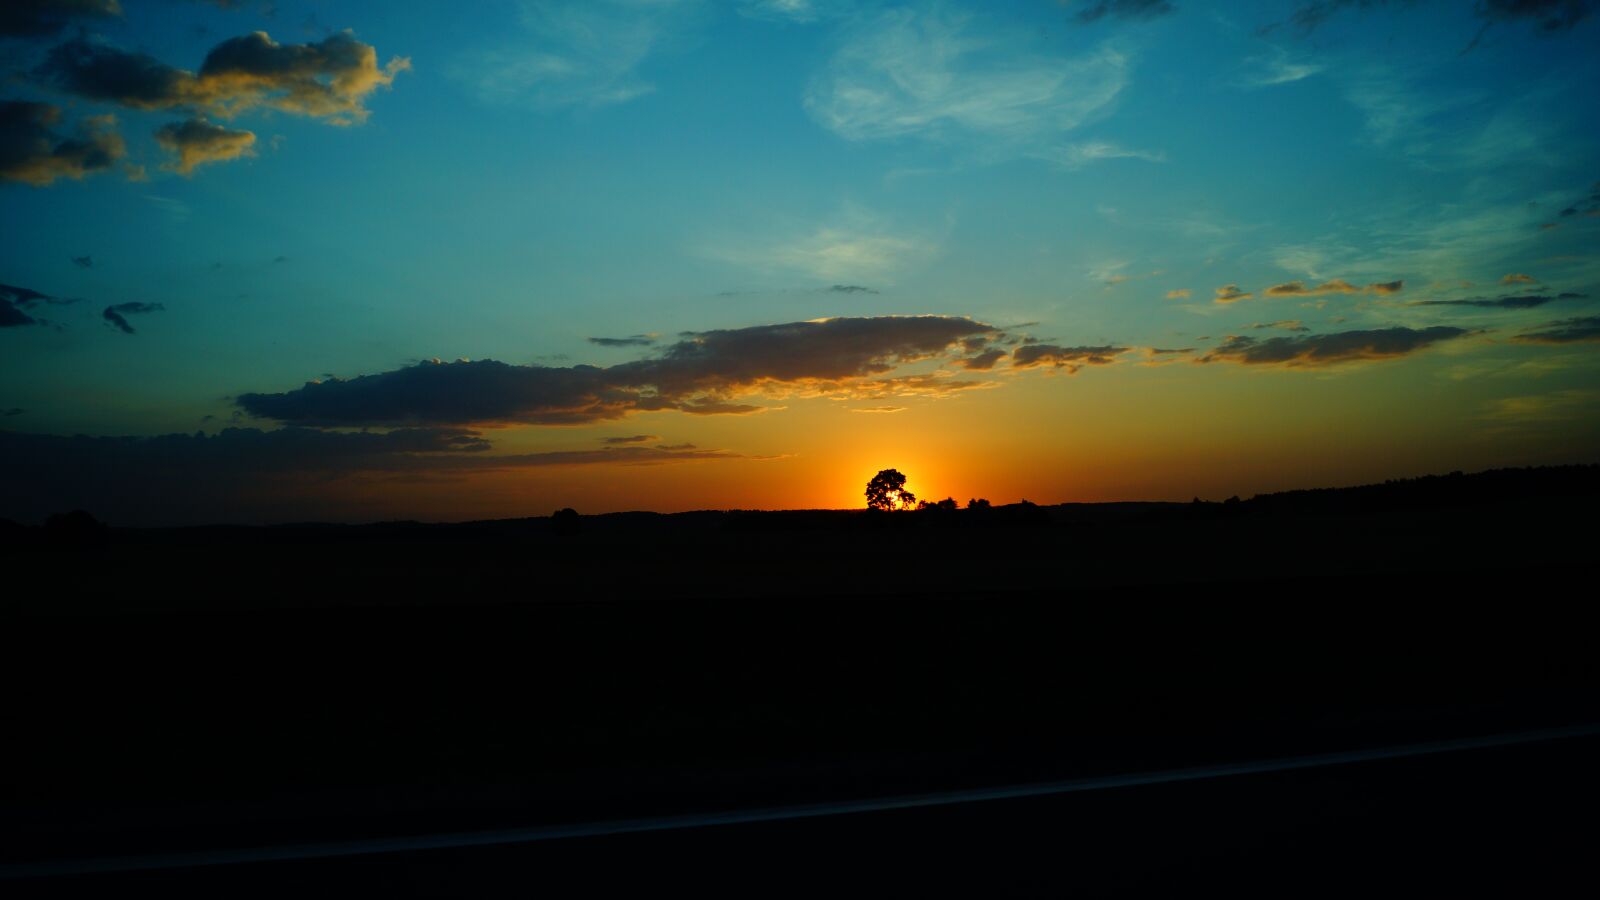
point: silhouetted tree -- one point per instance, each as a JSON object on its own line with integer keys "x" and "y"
{"x": 887, "y": 490}
{"x": 947, "y": 504}
{"x": 977, "y": 503}
{"x": 564, "y": 521}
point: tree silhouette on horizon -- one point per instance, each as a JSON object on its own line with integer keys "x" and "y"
{"x": 887, "y": 489}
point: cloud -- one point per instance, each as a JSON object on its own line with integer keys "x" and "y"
{"x": 1073, "y": 156}
{"x": 1112, "y": 276}
{"x": 857, "y": 249}
{"x": 637, "y": 340}
{"x": 930, "y": 75}
{"x": 36, "y": 18}
{"x": 1278, "y": 69}
{"x": 198, "y": 142}
{"x": 328, "y": 80}
{"x": 32, "y": 153}
{"x": 850, "y": 289}
{"x": 1333, "y": 286}
{"x": 175, "y": 209}
{"x": 1547, "y": 15}
{"x": 1123, "y": 9}
{"x": 983, "y": 361}
{"x": 1525, "y": 301}
{"x": 1329, "y": 349}
{"x": 1557, "y": 406}
{"x": 251, "y": 472}
{"x": 578, "y": 52}
{"x": 699, "y": 375}
{"x": 15, "y": 300}
{"x": 931, "y": 385}
{"x": 83, "y": 262}
{"x": 12, "y": 317}
{"x": 610, "y": 456}
{"x": 1283, "y": 324}
{"x": 1179, "y": 294}
{"x": 1230, "y": 293}
{"x": 1070, "y": 358}
{"x": 878, "y": 409}
{"x": 1519, "y": 278}
{"x": 1583, "y": 329}
{"x": 115, "y": 313}
{"x": 802, "y": 11}
{"x": 630, "y": 439}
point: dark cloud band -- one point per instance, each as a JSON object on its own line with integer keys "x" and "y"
{"x": 1070, "y": 358}
{"x": 699, "y": 374}
{"x": 117, "y": 313}
{"x": 1330, "y": 349}
{"x": 1583, "y": 329}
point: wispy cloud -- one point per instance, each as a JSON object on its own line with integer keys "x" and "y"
{"x": 938, "y": 76}
{"x": 1276, "y": 68}
{"x": 173, "y": 207}
{"x": 804, "y": 12}
{"x": 1556, "y": 406}
{"x": 579, "y": 52}
{"x": 1096, "y": 10}
{"x": 855, "y": 247}
{"x": 1073, "y": 156}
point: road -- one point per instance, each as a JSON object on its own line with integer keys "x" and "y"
{"x": 1498, "y": 814}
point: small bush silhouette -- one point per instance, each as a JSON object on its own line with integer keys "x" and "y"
{"x": 77, "y": 530}
{"x": 565, "y": 521}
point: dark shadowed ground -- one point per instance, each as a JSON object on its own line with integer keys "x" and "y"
{"x": 224, "y": 688}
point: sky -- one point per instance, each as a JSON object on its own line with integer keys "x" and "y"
{"x": 283, "y": 261}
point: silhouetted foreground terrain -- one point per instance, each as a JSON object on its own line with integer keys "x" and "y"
{"x": 286, "y": 685}
{"x": 1509, "y": 520}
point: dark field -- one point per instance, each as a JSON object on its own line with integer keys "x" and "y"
{"x": 223, "y": 688}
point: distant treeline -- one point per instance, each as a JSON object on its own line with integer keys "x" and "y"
{"x": 1496, "y": 487}
{"x": 1493, "y": 487}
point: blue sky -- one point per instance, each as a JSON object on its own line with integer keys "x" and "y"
{"x": 1117, "y": 175}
